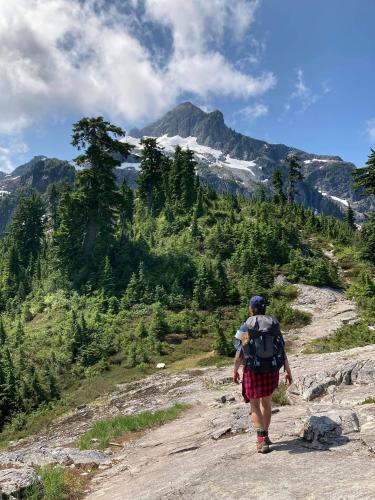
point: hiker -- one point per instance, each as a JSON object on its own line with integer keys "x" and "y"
{"x": 260, "y": 349}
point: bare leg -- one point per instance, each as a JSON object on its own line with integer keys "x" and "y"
{"x": 265, "y": 407}
{"x": 256, "y": 414}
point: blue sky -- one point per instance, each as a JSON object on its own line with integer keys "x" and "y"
{"x": 291, "y": 71}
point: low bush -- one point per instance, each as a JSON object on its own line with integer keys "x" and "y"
{"x": 287, "y": 316}
{"x": 346, "y": 337}
{"x": 279, "y": 396}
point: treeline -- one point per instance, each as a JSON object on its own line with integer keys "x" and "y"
{"x": 97, "y": 270}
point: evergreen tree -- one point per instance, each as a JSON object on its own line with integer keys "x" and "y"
{"x": 182, "y": 180}
{"x": 367, "y": 235}
{"x": 141, "y": 331}
{"x": 3, "y": 335}
{"x": 221, "y": 344}
{"x": 106, "y": 278}
{"x": 53, "y": 390}
{"x": 27, "y": 228}
{"x": 199, "y": 208}
{"x": 19, "y": 335}
{"x": 365, "y": 177}
{"x": 158, "y": 327}
{"x": 154, "y": 167}
{"x": 127, "y": 209}
{"x": 68, "y": 236}
{"x": 350, "y": 217}
{"x": 294, "y": 175}
{"x": 96, "y": 189}
{"x": 277, "y": 181}
{"x": 203, "y": 293}
{"x": 53, "y": 204}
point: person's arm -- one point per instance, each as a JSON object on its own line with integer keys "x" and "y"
{"x": 237, "y": 364}
{"x": 288, "y": 376}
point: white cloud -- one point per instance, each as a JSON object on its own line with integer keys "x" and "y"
{"x": 61, "y": 56}
{"x": 10, "y": 150}
{"x": 370, "y": 129}
{"x": 304, "y": 95}
{"x": 303, "y": 92}
{"x": 254, "y": 111}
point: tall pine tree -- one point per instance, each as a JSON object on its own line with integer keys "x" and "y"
{"x": 294, "y": 175}
{"x": 365, "y": 177}
{"x": 96, "y": 184}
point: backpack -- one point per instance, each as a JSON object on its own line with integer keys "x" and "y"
{"x": 265, "y": 350}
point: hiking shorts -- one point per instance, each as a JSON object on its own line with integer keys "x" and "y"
{"x": 258, "y": 384}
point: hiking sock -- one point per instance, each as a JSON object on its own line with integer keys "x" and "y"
{"x": 261, "y": 434}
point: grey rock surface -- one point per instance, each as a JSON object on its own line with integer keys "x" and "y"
{"x": 14, "y": 483}
{"x": 36, "y": 455}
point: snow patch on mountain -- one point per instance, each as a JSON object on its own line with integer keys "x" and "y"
{"x": 130, "y": 165}
{"x": 335, "y": 198}
{"x": 238, "y": 164}
{"x": 307, "y": 162}
{"x": 213, "y": 156}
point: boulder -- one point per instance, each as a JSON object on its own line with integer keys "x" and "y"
{"x": 366, "y": 373}
{"x": 310, "y": 387}
{"x": 15, "y": 483}
{"x": 281, "y": 280}
{"x": 160, "y": 366}
{"x": 329, "y": 426}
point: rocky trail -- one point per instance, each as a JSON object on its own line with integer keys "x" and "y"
{"x": 324, "y": 441}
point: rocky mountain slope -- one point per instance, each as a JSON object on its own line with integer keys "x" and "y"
{"x": 36, "y": 175}
{"x": 227, "y": 160}
{"x": 324, "y": 441}
{"x": 233, "y": 162}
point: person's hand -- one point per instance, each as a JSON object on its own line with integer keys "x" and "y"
{"x": 289, "y": 378}
{"x": 236, "y": 377}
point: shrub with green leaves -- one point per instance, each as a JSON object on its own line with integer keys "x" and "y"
{"x": 346, "y": 337}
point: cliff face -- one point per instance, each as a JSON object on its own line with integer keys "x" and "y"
{"x": 327, "y": 186}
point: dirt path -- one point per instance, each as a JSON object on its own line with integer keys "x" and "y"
{"x": 330, "y": 309}
{"x": 208, "y": 452}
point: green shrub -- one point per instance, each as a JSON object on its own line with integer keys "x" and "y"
{"x": 279, "y": 396}
{"x": 287, "y": 316}
{"x": 363, "y": 287}
{"x": 346, "y": 337}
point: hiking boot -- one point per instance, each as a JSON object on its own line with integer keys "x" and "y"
{"x": 267, "y": 440}
{"x": 262, "y": 446}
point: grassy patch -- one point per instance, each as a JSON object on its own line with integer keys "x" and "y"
{"x": 215, "y": 360}
{"x": 59, "y": 484}
{"x": 106, "y": 430}
{"x": 368, "y": 401}
{"x": 279, "y": 396}
{"x": 346, "y": 337}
